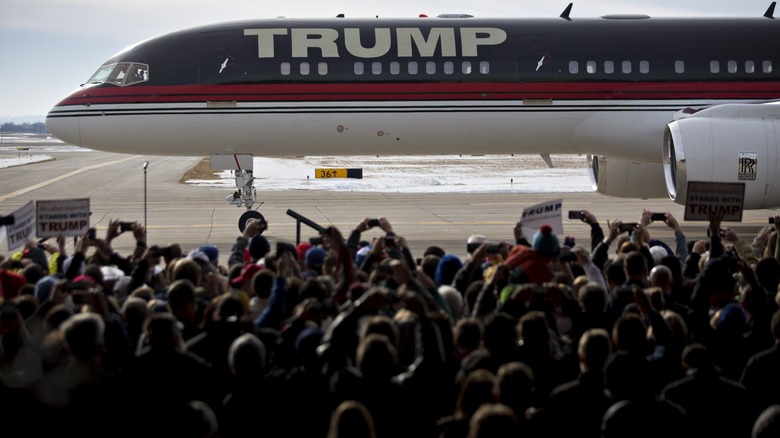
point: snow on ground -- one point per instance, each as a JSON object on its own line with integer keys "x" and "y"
{"x": 411, "y": 174}
{"x": 421, "y": 174}
{"x": 21, "y": 149}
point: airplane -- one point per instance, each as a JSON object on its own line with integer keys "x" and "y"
{"x": 652, "y": 102}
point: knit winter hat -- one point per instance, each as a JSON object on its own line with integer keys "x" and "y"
{"x": 315, "y": 257}
{"x": 546, "y": 242}
{"x": 43, "y": 288}
{"x": 449, "y": 265}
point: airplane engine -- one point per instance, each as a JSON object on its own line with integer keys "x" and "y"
{"x": 626, "y": 179}
{"x": 724, "y": 148}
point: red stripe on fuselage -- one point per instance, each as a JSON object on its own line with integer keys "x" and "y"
{"x": 615, "y": 91}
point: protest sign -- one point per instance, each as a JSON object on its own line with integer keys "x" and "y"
{"x": 69, "y": 217}
{"x": 704, "y": 198}
{"x": 23, "y": 228}
{"x": 545, "y": 213}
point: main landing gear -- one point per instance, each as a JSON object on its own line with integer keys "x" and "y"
{"x": 245, "y": 194}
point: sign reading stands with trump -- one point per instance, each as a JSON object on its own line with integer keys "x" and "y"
{"x": 545, "y": 213}
{"x": 69, "y": 217}
{"x": 705, "y": 198}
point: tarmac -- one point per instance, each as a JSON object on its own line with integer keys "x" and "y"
{"x": 119, "y": 188}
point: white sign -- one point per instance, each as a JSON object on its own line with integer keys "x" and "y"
{"x": 69, "y": 217}
{"x": 23, "y": 229}
{"x": 545, "y": 213}
{"x": 705, "y": 198}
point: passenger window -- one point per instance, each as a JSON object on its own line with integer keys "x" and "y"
{"x": 395, "y": 68}
{"x": 766, "y": 66}
{"x": 574, "y": 67}
{"x": 305, "y": 68}
{"x": 412, "y": 67}
{"x": 732, "y": 66}
{"x": 714, "y": 67}
{"x": 466, "y": 67}
{"x": 376, "y": 68}
{"x": 449, "y": 68}
{"x": 644, "y": 67}
{"x": 484, "y": 67}
{"x": 626, "y": 67}
{"x": 679, "y": 67}
{"x": 750, "y": 67}
{"x": 590, "y": 67}
{"x": 322, "y": 68}
{"x": 609, "y": 67}
{"x": 359, "y": 69}
{"x": 430, "y": 67}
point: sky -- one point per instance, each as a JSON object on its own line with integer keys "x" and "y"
{"x": 49, "y": 47}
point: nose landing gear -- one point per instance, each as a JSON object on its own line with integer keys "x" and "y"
{"x": 245, "y": 193}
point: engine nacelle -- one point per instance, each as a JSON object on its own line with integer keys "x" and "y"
{"x": 728, "y": 143}
{"x": 627, "y": 179}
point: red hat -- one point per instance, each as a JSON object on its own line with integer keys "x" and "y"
{"x": 302, "y": 248}
{"x": 11, "y": 283}
{"x": 247, "y": 272}
{"x": 82, "y": 282}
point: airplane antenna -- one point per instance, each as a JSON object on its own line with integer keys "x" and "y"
{"x": 566, "y": 12}
{"x": 770, "y": 12}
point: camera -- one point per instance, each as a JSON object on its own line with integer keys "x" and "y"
{"x": 373, "y": 223}
{"x": 575, "y": 214}
{"x": 126, "y": 226}
{"x": 92, "y": 234}
{"x": 771, "y": 219}
{"x": 628, "y": 227}
{"x": 493, "y": 248}
{"x": 314, "y": 241}
{"x": 658, "y": 217}
{"x": 7, "y": 220}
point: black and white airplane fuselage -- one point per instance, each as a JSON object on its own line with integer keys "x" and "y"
{"x": 638, "y": 94}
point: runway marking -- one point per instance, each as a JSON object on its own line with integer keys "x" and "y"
{"x": 61, "y": 177}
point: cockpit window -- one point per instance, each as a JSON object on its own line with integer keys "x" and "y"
{"x": 117, "y": 77}
{"x": 100, "y": 76}
{"x": 138, "y": 73}
{"x": 122, "y": 74}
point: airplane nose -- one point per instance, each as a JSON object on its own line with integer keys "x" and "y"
{"x": 64, "y": 127}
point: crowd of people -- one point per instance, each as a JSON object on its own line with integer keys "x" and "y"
{"x": 350, "y": 336}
